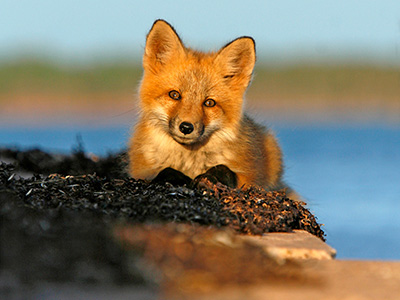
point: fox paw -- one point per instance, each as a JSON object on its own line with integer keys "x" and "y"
{"x": 220, "y": 173}
{"x": 172, "y": 176}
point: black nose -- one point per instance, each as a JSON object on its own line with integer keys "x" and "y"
{"x": 186, "y": 128}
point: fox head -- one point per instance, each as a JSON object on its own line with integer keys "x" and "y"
{"x": 192, "y": 95}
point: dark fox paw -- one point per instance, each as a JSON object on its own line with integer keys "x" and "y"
{"x": 172, "y": 176}
{"x": 220, "y": 173}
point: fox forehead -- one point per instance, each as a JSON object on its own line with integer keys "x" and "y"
{"x": 196, "y": 78}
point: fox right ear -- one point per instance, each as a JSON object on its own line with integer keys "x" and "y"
{"x": 237, "y": 61}
{"x": 162, "y": 44}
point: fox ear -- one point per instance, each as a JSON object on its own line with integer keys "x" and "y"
{"x": 237, "y": 60}
{"x": 162, "y": 44}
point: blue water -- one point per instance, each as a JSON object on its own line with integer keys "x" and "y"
{"x": 349, "y": 175}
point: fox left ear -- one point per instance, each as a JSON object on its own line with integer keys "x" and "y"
{"x": 237, "y": 60}
{"x": 162, "y": 46}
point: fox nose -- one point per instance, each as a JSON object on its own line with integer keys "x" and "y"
{"x": 186, "y": 127}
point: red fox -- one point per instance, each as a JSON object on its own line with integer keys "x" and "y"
{"x": 191, "y": 116}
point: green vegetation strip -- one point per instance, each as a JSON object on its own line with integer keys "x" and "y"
{"x": 38, "y": 76}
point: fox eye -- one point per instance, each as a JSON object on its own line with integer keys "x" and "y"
{"x": 174, "y": 95}
{"x": 209, "y": 103}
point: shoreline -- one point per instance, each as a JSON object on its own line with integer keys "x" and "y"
{"x": 121, "y": 109}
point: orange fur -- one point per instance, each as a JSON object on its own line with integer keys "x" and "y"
{"x": 221, "y": 134}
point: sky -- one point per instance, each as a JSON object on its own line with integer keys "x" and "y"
{"x": 86, "y": 30}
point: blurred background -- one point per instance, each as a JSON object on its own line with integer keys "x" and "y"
{"x": 327, "y": 82}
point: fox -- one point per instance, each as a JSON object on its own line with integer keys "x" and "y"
{"x": 191, "y": 116}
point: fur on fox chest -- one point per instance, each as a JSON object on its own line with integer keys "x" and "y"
{"x": 162, "y": 151}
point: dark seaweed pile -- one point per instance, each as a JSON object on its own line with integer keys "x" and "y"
{"x": 36, "y": 161}
{"x": 58, "y": 245}
{"x": 116, "y": 196}
{"x": 56, "y": 224}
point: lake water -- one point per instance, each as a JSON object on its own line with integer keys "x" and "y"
{"x": 349, "y": 174}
